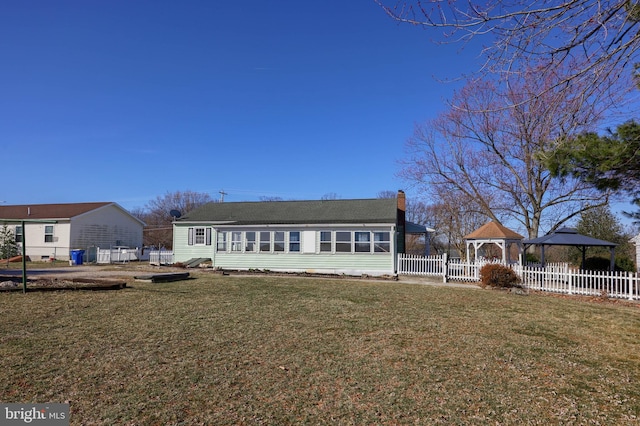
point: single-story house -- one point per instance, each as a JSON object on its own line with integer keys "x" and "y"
{"x": 352, "y": 237}
{"x": 51, "y": 231}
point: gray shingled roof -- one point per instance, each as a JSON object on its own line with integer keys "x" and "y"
{"x": 568, "y": 237}
{"x": 383, "y": 210}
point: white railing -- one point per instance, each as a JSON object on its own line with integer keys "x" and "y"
{"x": 555, "y": 277}
{"x": 162, "y": 257}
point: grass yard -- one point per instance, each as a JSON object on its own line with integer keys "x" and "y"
{"x": 272, "y": 350}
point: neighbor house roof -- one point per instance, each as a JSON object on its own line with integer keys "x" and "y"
{"x": 568, "y": 237}
{"x": 382, "y": 210}
{"x": 493, "y": 230}
{"x": 47, "y": 211}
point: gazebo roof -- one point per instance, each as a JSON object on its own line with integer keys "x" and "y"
{"x": 568, "y": 237}
{"x": 493, "y": 230}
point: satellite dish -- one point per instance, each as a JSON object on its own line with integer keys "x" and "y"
{"x": 175, "y": 214}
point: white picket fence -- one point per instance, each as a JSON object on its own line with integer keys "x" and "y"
{"x": 556, "y": 278}
{"x": 616, "y": 284}
{"x": 420, "y": 265}
{"x": 120, "y": 255}
{"x": 161, "y": 257}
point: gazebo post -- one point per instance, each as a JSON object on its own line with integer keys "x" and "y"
{"x": 612, "y": 262}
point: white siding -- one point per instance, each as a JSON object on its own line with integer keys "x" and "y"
{"x": 636, "y": 240}
{"x": 105, "y": 227}
{"x": 182, "y": 251}
{"x": 37, "y": 248}
{"x": 309, "y": 260}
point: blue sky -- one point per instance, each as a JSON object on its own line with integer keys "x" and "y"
{"x": 127, "y": 100}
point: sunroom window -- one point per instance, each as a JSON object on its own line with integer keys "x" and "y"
{"x": 343, "y": 242}
{"x": 265, "y": 241}
{"x": 236, "y": 241}
{"x": 363, "y": 242}
{"x": 278, "y": 241}
{"x": 250, "y": 242}
{"x": 294, "y": 241}
{"x": 325, "y": 241}
{"x": 381, "y": 242}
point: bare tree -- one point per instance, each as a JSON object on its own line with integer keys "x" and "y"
{"x": 158, "y": 218}
{"x": 453, "y": 217}
{"x": 387, "y": 193}
{"x": 597, "y": 40}
{"x": 330, "y": 196}
{"x": 485, "y": 154}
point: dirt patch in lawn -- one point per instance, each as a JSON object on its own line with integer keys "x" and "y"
{"x": 11, "y": 283}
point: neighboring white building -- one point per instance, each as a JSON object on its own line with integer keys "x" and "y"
{"x": 636, "y": 240}
{"x": 51, "y": 231}
{"x": 352, "y": 237}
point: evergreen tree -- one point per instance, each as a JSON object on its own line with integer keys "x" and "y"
{"x": 8, "y": 246}
{"x": 609, "y": 162}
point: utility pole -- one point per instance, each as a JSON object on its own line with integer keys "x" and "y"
{"x": 222, "y": 194}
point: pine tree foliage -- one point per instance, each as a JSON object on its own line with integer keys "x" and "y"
{"x": 8, "y": 245}
{"x": 609, "y": 162}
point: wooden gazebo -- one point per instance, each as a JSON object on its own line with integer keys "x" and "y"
{"x": 493, "y": 233}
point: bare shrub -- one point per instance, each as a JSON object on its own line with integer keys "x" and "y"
{"x": 498, "y": 276}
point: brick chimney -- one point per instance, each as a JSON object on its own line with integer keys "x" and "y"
{"x": 402, "y": 201}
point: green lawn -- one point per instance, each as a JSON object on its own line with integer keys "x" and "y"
{"x": 272, "y": 350}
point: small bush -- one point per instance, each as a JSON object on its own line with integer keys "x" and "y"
{"x": 500, "y": 276}
{"x": 599, "y": 263}
{"x": 531, "y": 258}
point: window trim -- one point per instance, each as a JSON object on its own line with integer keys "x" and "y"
{"x": 17, "y": 234}
{"x": 291, "y": 243}
{"x": 375, "y": 246}
{"x": 51, "y": 234}
{"x": 191, "y": 236}
{"x": 221, "y": 242}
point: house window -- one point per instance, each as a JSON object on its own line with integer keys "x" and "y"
{"x": 236, "y": 241}
{"x": 343, "y": 242}
{"x": 265, "y": 241}
{"x": 250, "y": 243}
{"x": 325, "y": 241}
{"x": 294, "y": 241}
{"x": 18, "y": 234}
{"x": 222, "y": 241}
{"x": 381, "y": 242}
{"x": 48, "y": 233}
{"x": 363, "y": 242}
{"x": 278, "y": 241}
{"x": 199, "y": 236}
